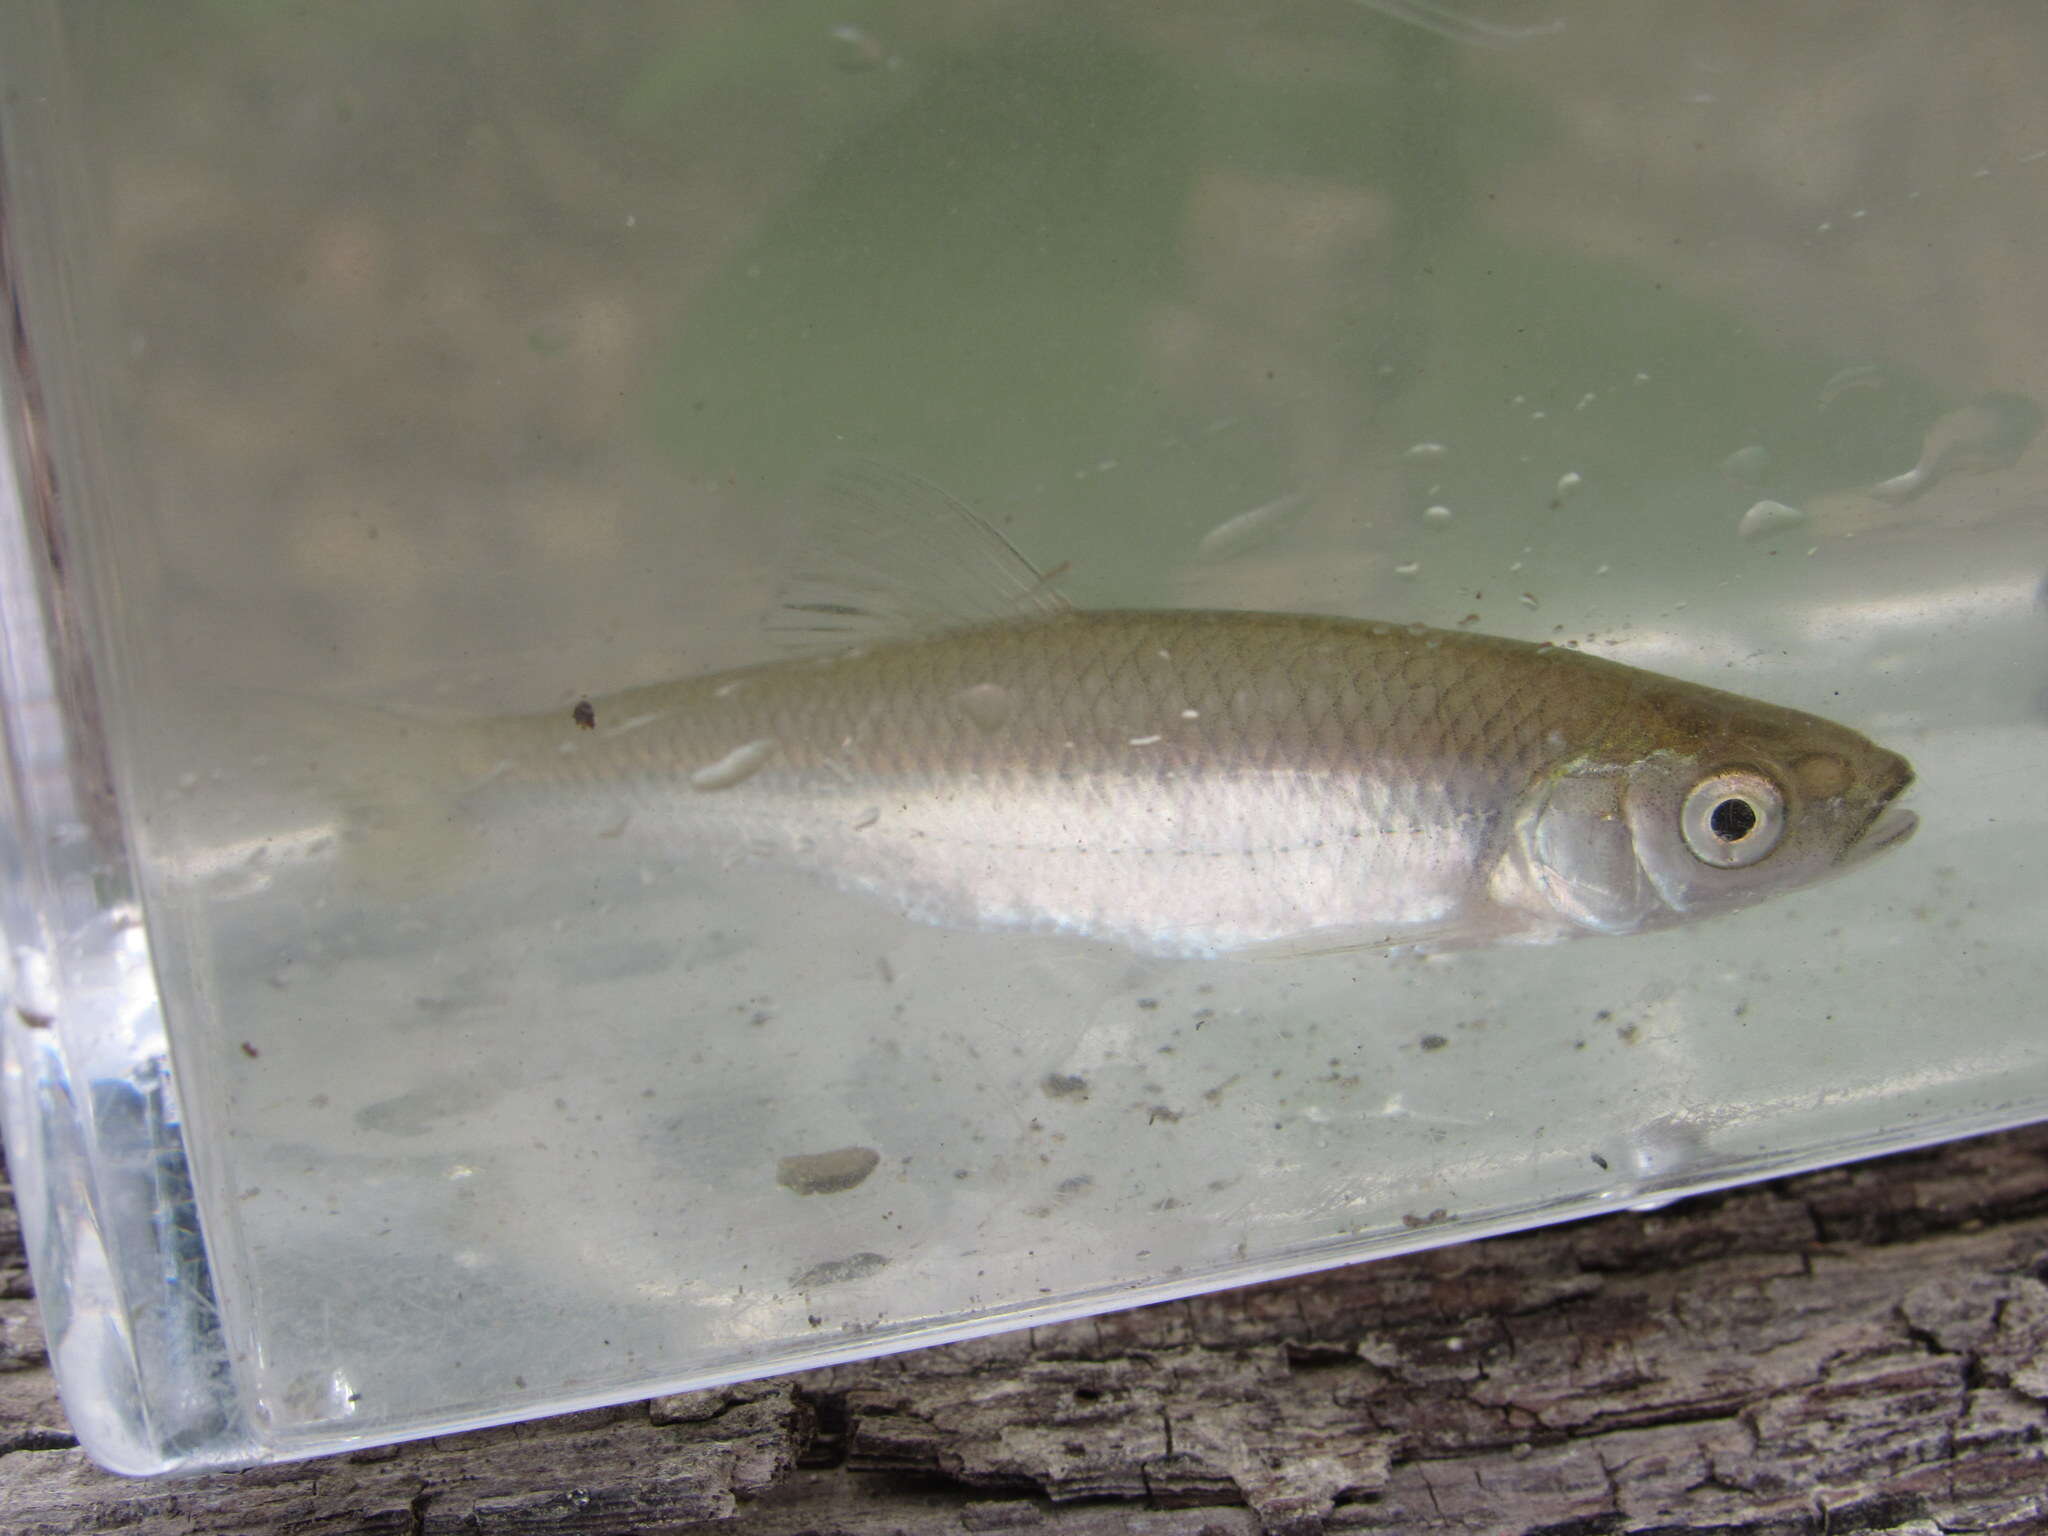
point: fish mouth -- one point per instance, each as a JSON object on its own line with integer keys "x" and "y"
{"x": 1892, "y": 826}
{"x": 1889, "y": 825}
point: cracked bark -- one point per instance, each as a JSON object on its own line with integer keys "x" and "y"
{"x": 1864, "y": 1349}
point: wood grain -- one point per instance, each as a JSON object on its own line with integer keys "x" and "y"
{"x": 1864, "y": 1349}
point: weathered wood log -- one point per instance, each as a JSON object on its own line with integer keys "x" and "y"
{"x": 1864, "y": 1349}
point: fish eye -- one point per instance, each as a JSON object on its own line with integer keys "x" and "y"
{"x": 1732, "y": 820}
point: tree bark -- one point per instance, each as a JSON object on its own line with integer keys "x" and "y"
{"x": 1855, "y": 1350}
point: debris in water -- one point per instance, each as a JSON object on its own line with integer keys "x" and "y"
{"x": 838, "y": 1271}
{"x": 1748, "y": 466}
{"x": 736, "y": 767}
{"x": 1767, "y": 518}
{"x": 827, "y": 1173}
{"x": 1861, "y": 376}
{"x": 1986, "y": 435}
{"x": 1248, "y": 530}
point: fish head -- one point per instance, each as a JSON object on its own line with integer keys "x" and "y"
{"x": 1701, "y": 802}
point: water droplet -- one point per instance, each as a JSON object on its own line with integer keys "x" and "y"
{"x": 1146, "y": 741}
{"x": 867, "y": 818}
{"x": 1767, "y": 518}
{"x": 736, "y": 767}
{"x": 1567, "y": 482}
{"x": 1191, "y": 714}
{"x": 1585, "y": 400}
{"x": 1426, "y": 451}
{"x": 1748, "y": 466}
{"x": 988, "y": 705}
{"x": 1528, "y": 599}
{"x": 1438, "y": 514}
{"x": 1413, "y": 567}
{"x": 727, "y": 690}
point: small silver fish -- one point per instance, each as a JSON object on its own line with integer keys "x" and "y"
{"x": 975, "y": 753}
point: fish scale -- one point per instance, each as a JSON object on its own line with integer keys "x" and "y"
{"x": 1334, "y": 773}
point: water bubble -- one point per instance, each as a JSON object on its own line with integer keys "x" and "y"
{"x": 736, "y": 767}
{"x": 1411, "y": 568}
{"x": 1437, "y": 514}
{"x": 1567, "y": 482}
{"x": 1748, "y": 466}
{"x": 988, "y": 705}
{"x": 1767, "y": 518}
{"x": 1528, "y": 599}
{"x": 1146, "y": 741}
{"x": 1426, "y": 451}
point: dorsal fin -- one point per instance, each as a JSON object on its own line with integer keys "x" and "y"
{"x": 884, "y": 555}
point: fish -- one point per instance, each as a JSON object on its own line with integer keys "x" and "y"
{"x": 950, "y": 737}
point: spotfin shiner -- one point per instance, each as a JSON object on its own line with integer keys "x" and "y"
{"x": 955, "y": 740}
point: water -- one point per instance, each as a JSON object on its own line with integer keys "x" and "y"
{"x": 433, "y": 364}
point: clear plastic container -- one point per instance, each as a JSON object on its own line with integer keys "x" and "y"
{"x": 381, "y": 366}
